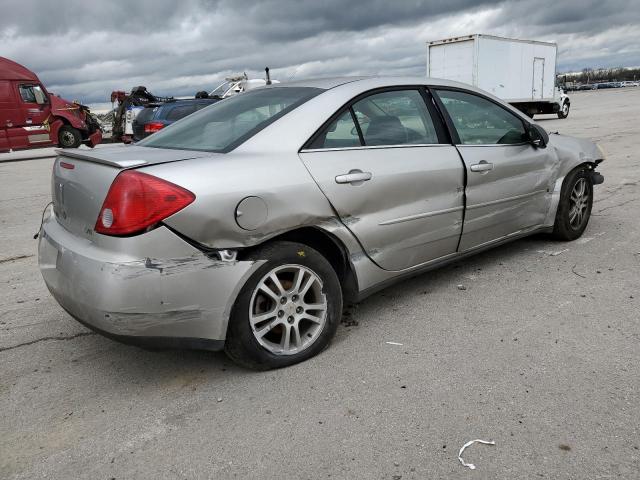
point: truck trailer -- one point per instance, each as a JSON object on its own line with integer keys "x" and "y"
{"x": 521, "y": 72}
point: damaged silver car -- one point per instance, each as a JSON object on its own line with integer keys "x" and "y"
{"x": 248, "y": 225}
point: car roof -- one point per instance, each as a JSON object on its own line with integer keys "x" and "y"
{"x": 180, "y": 101}
{"x": 324, "y": 83}
{"x": 382, "y": 81}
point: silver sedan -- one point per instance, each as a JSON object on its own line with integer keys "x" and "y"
{"x": 249, "y": 225}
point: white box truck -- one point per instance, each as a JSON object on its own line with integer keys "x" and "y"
{"x": 521, "y": 72}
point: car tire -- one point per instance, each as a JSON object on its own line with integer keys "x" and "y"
{"x": 574, "y": 207}
{"x": 255, "y": 311}
{"x": 69, "y": 137}
{"x": 564, "y": 110}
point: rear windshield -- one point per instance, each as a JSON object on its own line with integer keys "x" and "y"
{"x": 145, "y": 115}
{"x": 176, "y": 112}
{"x": 224, "y": 125}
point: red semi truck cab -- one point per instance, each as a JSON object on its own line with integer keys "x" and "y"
{"x": 32, "y": 117}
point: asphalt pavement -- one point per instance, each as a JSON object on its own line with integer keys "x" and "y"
{"x": 540, "y": 353}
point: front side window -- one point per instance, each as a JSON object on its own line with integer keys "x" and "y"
{"x": 32, "y": 94}
{"x": 226, "y": 124}
{"x": 479, "y": 121}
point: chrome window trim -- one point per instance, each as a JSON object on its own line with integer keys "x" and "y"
{"x": 375, "y": 147}
{"x": 492, "y": 144}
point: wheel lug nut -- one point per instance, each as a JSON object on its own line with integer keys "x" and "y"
{"x": 294, "y": 298}
{"x": 290, "y": 319}
{"x": 283, "y": 300}
{"x": 299, "y": 310}
{"x": 281, "y": 313}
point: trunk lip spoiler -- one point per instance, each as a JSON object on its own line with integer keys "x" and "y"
{"x": 132, "y": 163}
{"x": 94, "y": 159}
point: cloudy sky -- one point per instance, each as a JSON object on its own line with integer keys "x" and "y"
{"x": 84, "y": 49}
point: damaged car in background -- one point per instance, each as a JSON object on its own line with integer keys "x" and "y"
{"x": 248, "y": 225}
{"x": 126, "y": 127}
{"x": 33, "y": 117}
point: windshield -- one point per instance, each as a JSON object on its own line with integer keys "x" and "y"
{"x": 219, "y": 91}
{"x": 228, "y": 123}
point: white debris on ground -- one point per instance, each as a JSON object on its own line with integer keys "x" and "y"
{"x": 471, "y": 442}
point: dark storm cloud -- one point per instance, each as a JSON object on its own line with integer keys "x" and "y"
{"x": 42, "y": 18}
{"x": 85, "y": 49}
{"x": 292, "y": 20}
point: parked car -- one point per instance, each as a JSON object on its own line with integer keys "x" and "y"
{"x": 248, "y": 225}
{"x": 30, "y": 116}
{"x": 155, "y": 117}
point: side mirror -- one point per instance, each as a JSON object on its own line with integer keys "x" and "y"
{"x": 538, "y": 136}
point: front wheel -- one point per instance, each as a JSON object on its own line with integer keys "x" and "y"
{"x": 564, "y": 111}
{"x": 288, "y": 310}
{"x": 574, "y": 208}
{"x": 69, "y": 137}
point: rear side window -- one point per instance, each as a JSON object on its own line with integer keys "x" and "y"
{"x": 178, "y": 111}
{"x": 479, "y": 121}
{"x": 228, "y": 123}
{"x": 341, "y": 133}
{"x": 395, "y": 118}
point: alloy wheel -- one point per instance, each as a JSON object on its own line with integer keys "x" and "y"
{"x": 578, "y": 203}
{"x": 288, "y": 309}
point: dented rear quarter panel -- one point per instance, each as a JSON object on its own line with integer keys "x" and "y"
{"x": 220, "y": 184}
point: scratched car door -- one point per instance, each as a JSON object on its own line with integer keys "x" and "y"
{"x": 509, "y": 181}
{"x": 386, "y": 167}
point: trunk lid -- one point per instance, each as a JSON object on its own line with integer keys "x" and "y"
{"x": 81, "y": 180}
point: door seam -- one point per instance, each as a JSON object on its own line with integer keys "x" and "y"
{"x": 464, "y": 197}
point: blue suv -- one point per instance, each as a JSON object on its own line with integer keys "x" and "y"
{"x": 156, "y": 116}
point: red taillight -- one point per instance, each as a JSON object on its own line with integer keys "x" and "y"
{"x": 136, "y": 202}
{"x": 153, "y": 127}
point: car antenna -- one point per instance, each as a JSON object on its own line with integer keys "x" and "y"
{"x": 268, "y": 77}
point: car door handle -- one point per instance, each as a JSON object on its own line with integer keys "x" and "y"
{"x": 483, "y": 166}
{"x": 354, "y": 177}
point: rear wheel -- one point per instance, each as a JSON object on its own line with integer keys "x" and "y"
{"x": 574, "y": 209}
{"x": 288, "y": 310}
{"x": 69, "y": 137}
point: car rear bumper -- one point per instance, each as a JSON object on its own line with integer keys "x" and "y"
{"x": 154, "y": 289}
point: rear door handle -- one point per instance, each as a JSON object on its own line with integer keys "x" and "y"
{"x": 483, "y": 166}
{"x": 354, "y": 177}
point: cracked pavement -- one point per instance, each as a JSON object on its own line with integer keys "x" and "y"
{"x": 539, "y": 352}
